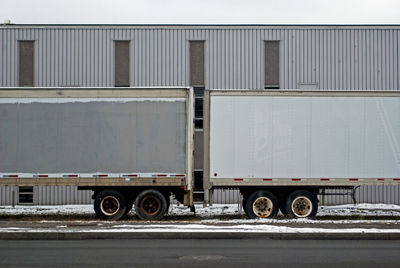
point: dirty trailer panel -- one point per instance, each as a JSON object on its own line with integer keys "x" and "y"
{"x": 90, "y": 137}
{"x": 300, "y": 138}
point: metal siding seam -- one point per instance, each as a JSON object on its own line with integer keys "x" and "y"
{"x": 245, "y": 60}
{"x": 1, "y": 61}
{"x": 389, "y": 60}
{"x": 101, "y": 54}
{"x": 176, "y": 58}
{"x": 309, "y": 56}
{"x": 12, "y": 77}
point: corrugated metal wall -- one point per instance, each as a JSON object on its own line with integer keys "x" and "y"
{"x": 8, "y": 195}
{"x": 47, "y": 195}
{"x": 53, "y": 195}
{"x": 335, "y": 57}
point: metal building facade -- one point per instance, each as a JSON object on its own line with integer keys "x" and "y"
{"x": 326, "y": 57}
{"x": 310, "y": 57}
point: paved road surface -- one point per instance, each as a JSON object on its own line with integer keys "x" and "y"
{"x": 199, "y": 253}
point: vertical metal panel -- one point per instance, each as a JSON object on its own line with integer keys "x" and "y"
{"x": 61, "y": 195}
{"x": 7, "y": 194}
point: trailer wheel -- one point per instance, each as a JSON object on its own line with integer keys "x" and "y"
{"x": 110, "y": 205}
{"x": 262, "y": 204}
{"x": 302, "y": 204}
{"x": 150, "y": 205}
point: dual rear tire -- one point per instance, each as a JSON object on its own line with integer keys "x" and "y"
{"x": 113, "y": 205}
{"x": 264, "y": 204}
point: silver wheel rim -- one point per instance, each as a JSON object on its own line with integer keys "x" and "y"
{"x": 263, "y": 207}
{"x": 109, "y": 205}
{"x": 302, "y": 206}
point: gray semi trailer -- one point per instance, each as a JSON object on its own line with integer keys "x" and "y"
{"x": 134, "y": 146}
{"x": 129, "y": 146}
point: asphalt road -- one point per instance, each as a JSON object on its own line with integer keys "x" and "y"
{"x": 199, "y": 253}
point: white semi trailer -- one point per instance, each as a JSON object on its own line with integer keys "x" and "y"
{"x": 281, "y": 148}
{"x": 134, "y": 146}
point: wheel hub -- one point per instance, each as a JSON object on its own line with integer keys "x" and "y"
{"x": 109, "y": 205}
{"x": 302, "y": 206}
{"x": 263, "y": 207}
{"x": 151, "y": 205}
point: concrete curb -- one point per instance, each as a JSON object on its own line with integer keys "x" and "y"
{"x": 195, "y": 235}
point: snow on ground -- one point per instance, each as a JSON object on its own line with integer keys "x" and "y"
{"x": 207, "y": 212}
{"x": 208, "y": 219}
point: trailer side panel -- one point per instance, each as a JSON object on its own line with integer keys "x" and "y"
{"x": 285, "y": 137}
{"x": 89, "y": 135}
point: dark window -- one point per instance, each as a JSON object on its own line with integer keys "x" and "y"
{"x": 197, "y": 63}
{"x": 198, "y": 107}
{"x": 271, "y": 65}
{"x": 25, "y": 195}
{"x": 122, "y": 63}
{"x": 26, "y": 59}
{"x": 198, "y": 180}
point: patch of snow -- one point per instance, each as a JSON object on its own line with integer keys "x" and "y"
{"x": 210, "y": 211}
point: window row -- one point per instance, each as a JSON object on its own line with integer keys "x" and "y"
{"x": 122, "y": 56}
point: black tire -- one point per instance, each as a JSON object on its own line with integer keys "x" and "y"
{"x": 244, "y": 202}
{"x": 150, "y": 205}
{"x": 262, "y": 204}
{"x": 302, "y": 204}
{"x": 110, "y": 205}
